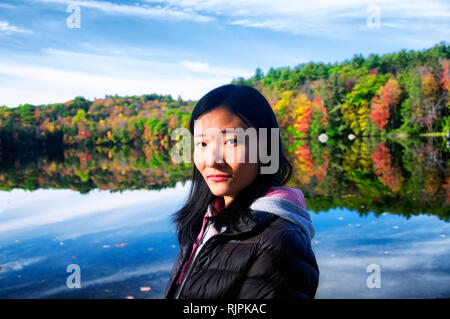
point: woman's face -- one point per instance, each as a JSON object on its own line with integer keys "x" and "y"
{"x": 208, "y": 140}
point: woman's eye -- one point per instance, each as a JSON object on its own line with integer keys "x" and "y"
{"x": 227, "y": 141}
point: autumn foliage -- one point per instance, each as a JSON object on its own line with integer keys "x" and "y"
{"x": 445, "y": 78}
{"x": 302, "y": 112}
{"x": 383, "y": 104}
{"x": 384, "y": 167}
{"x": 304, "y": 164}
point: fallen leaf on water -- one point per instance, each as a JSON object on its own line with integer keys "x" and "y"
{"x": 145, "y": 289}
{"x": 121, "y": 245}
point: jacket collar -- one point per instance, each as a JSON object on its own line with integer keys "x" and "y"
{"x": 246, "y": 223}
{"x": 254, "y": 219}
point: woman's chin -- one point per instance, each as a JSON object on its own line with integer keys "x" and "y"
{"x": 219, "y": 194}
{"x": 219, "y": 191}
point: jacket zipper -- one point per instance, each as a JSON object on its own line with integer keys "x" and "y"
{"x": 192, "y": 264}
{"x": 185, "y": 276}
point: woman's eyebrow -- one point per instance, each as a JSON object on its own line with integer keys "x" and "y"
{"x": 222, "y": 131}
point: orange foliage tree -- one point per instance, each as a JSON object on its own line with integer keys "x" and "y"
{"x": 445, "y": 76}
{"x": 384, "y": 167}
{"x": 384, "y": 103}
{"x": 304, "y": 164}
{"x": 302, "y": 113}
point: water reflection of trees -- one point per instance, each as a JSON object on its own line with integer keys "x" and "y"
{"x": 407, "y": 177}
{"x": 366, "y": 175}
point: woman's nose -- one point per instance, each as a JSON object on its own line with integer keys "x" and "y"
{"x": 214, "y": 156}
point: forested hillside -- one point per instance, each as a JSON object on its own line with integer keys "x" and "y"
{"x": 403, "y": 92}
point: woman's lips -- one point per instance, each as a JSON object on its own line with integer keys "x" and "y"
{"x": 218, "y": 178}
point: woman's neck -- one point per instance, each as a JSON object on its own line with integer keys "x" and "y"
{"x": 228, "y": 200}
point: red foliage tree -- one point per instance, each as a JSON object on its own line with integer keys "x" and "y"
{"x": 383, "y": 104}
{"x": 384, "y": 167}
{"x": 302, "y": 111}
{"x": 445, "y": 78}
{"x": 304, "y": 164}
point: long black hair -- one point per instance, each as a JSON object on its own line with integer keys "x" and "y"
{"x": 254, "y": 110}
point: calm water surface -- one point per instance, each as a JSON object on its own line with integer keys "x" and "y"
{"x": 124, "y": 244}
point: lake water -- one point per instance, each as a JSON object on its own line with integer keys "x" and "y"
{"x": 124, "y": 244}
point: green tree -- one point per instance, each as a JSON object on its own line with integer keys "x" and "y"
{"x": 356, "y": 107}
{"x": 26, "y": 113}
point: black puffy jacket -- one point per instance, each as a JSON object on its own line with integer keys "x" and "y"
{"x": 269, "y": 257}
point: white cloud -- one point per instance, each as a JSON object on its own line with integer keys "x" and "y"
{"x": 58, "y": 76}
{"x": 406, "y": 271}
{"x": 136, "y": 10}
{"x": 415, "y": 8}
{"x": 120, "y": 276}
{"x": 412, "y": 257}
{"x": 19, "y": 264}
{"x": 41, "y": 208}
{"x": 6, "y": 6}
{"x": 7, "y": 28}
{"x": 321, "y": 17}
{"x": 201, "y": 67}
{"x": 327, "y": 18}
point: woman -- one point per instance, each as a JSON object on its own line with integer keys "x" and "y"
{"x": 242, "y": 234}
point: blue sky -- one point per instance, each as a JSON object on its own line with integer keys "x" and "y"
{"x": 188, "y": 47}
